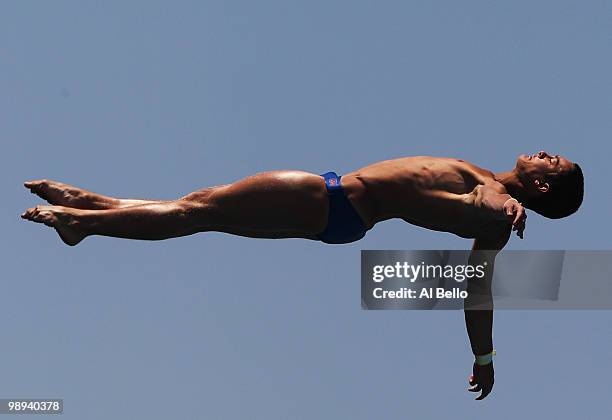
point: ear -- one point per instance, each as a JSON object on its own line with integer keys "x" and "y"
{"x": 542, "y": 186}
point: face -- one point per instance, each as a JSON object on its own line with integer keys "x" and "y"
{"x": 537, "y": 168}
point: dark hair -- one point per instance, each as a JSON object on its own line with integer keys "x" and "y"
{"x": 564, "y": 196}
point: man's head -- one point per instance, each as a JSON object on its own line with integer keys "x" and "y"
{"x": 554, "y": 185}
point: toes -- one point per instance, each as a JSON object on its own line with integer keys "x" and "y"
{"x": 34, "y": 215}
{"x": 47, "y": 209}
{"x": 36, "y": 186}
{"x": 26, "y": 214}
{"x": 39, "y": 214}
{"x": 29, "y": 213}
{"x": 43, "y": 215}
{"x": 34, "y": 183}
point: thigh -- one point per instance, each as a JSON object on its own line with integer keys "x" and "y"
{"x": 283, "y": 203}
{"x": 266, "y": 234}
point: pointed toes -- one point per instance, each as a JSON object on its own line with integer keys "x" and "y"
{"x": 29, "y": 213}
{"x": 36, "y": 185}
{"x": 36, "y": 214}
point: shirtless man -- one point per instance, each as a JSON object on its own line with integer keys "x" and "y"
{"x": 442, "y": 194}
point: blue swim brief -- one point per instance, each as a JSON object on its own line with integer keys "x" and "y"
{"x": 344, "y": 224}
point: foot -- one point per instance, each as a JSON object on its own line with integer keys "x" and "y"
{"x": 60, "y": 218}
{"x": 60, "y": 194}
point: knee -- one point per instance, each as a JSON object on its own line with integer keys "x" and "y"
{"x": 199, "y": 197}
{"x": 197, "y": 215}
{"x": 195, "y": 209}
{"x": 187, "y": 206}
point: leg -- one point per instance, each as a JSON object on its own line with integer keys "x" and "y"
{"x": 276, "y": 204}
{"x": 65, "y": 195}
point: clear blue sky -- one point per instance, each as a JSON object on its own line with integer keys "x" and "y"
{"x": 155, "y": 99}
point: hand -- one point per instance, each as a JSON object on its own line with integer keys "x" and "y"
{"x": 515, "y": 212}
{"x": 482, "y": 379}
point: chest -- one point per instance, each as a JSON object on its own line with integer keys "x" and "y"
{"x": 454, "y": 176}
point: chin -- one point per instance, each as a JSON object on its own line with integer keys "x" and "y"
{"x": 521, "y": 160}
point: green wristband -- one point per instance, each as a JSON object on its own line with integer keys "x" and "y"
{"x": 484, "y": 359}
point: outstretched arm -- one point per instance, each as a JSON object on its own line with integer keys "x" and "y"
{"x": 479, "y": 309}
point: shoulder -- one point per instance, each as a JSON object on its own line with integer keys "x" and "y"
{"x": 490, "y": 185}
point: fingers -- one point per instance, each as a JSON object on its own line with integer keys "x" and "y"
{"x": 478, "y": 387}
{"x": 519, "y": 213}
{"x": 520, "y": 217}
{"x": 521, "y": 227}
{"x": 485, "y": 391}
{"x": 475, "y": 386}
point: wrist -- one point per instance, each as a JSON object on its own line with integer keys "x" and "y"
{"x": 510, "y": 199}
{"x": 484, "y": 359}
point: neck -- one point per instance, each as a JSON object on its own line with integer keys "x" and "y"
{"x": 511, "y": 181}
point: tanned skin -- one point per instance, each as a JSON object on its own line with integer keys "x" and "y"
{"x": 442, "y": 194}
